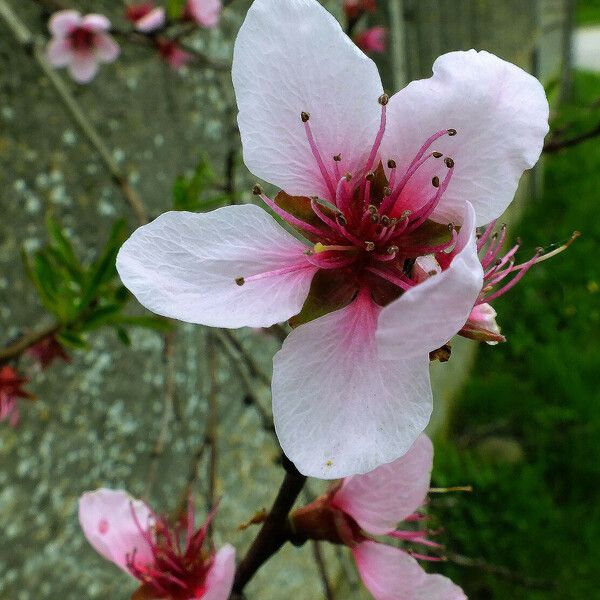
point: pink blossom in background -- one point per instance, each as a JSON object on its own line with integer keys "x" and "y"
{"x": 372, "y": 40}
{"x": 171, "y": 562}
{"x": 80, "y": 43}
{"x": 173, "y": 54}
{"x": 205, "y": 12}
{"x": 11, "y": 391}
{"x": 363, "y": 506}
{"x": 355, "y": 8}
{"x": 372, "y": 184}
{"x": 46, "y": 351}
{"x": 145, "y": 16}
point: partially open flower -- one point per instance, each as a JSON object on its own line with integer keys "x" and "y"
{"x": 80, "y": 43}
{"x": 170, "y": 561}
{"x": 364, "y": 506}
{"x": 145, "y": 16}
{"x": 173, "y": 53}
{"x": 371, "y": 184}
{"x": 46, "y": 351}
{"x": 11, "y": 391}
{"x": 205, "y": 12}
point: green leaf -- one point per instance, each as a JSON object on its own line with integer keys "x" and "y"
{"x": 175, "y": 9}
{"x": 146, "y": 322}
{"x": 72, "y": 339}
{"x": 62, "y": 250}
{"x": 123, "y": 336}
{"x": 189, "y": 192}
{"x": 101, "y": 316}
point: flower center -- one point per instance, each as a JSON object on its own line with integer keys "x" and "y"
{"x": 82, "y": 38}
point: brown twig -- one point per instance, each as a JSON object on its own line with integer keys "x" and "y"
{"x": 25, "y": 342}
{"x": 554, "y": 145}
{"x": 320, "y": 562}
{"x": 26, "y": 39}
{"x": 212, "y": 422}
{"x": 275, "y": 531}
{"x": 249, "y": 385}
{"x": 247, "y": 358}
{"x": 500, "y": 571}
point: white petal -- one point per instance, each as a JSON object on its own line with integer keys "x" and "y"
{"x": 429, "y": 314}
{"x": 184, "y": 265}
{"x": 107, "y": 50}
{"x": 219, "y": 580}
{"x": 106, "y": 518}
{"x": 438, "y": 587}
{"x": 379, "y": 500}
{"x": 340, "y": 407}
{"x": 291, "y": 57}
{"x": 63, "y": 22}
{"x": 95, "y": 22}
{"x": 59, "y": 52}
{"x": 500, "y": 113}
{"x": 84, "y": 66}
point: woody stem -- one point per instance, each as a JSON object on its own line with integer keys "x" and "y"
{"x": 275, "y": 531}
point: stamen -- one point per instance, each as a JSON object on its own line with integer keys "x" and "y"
{"x": 522, "y": 270}
{"x": 333, "y": 225}
{"x": 341, "y": 198}
{"x": 560, "y": 249}
{"x": 283, "y": 271}
{"x": 305, "y": 117}
{"x": 383, "y": 100}
{"x": 336, "y": 165}
{"x": 291, "y": 219}
{"x": 486, "y": 234}
{"x": 399, "y": 280}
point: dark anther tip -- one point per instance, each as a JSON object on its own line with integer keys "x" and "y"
{"x": 391, "y": 164}
{"x": 337, "y": 157}
{"x": 451, "y": 132}
{"x": 449, "y": 162}
{"x": 304, "y": 116}
{"x": 435, "y": 182}
{"x": 387, "y": 191}
{"x": 370, "y": 246}
{"x": 383, "y": 99}
{"x": 257, "y": 190}
{"x": 437, "y": 154}
{"x": 370, "y": 176}
{"x": 240, "y": 281}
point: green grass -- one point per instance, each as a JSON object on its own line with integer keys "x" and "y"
{"x": 588, "y": 12}
{"x": 526, "y": 432}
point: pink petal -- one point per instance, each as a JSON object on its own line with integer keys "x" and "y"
{"x": 379, "y": 500}
{"x": 61, "y": 23}
{"x": 391, "y": 574}
{"x": 107, "y": 522}
{"x": 59, "y": 52}
{"x": 219, "y": 580}
{"x": 291, "y": 57}
{"x": 154, "y": 20}
{"x": 340, "y": 406}
{"x": 84, "y": 66}
{"x": 500, "y": 113}
{"x": 429, "y": 314}
{"x": 205, "y": 12}
{"x": 184, "y": 265}
{"x": 388, "y": 572}
{"x": 96, "y": 22}
{"x": 107, "y": 50}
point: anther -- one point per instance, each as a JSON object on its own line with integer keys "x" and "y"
{"x": 391, "y": 164}
{"x": 450, "y": 226}
{"x": 387, "y": 191}
{"x": 304, "y": 116}
{"x": 341, "y": 219}
{"x": 449, "y": 162}
{"x": 374, "y": 218}
{"x": 435, "y": 182}
{"x": 337, "y": 157}
{"x": 385, "y": 221}
{"x": 405, "y": 214}
{"x": 383, "y": 99}
{"x": 348, "y": 176}
{"x": 257, "y": 190}
{"x": 370, "y": 176}
{"x": 240, "y": 281}
{"x": 451, "y": 132}
{"x": 392, "y": 250}
{"x": 437, "y": 154}
{"x": 369, "y": 246}
{"x": 372, "y": 209}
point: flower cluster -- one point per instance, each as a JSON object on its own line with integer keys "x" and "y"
{"x": 169, "y": 561}
{"x": 82, "y": 43}
{"x": 383, "y": 196}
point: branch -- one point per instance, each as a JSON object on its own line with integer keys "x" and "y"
{"x": 555, "y": 145}
{"x": 25, "y": 38}
{"x": 246, "y": 357}
{"x": 26, "y": 341}
{"x": 275, "y": 531}
{"x": 483, "y": 565}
